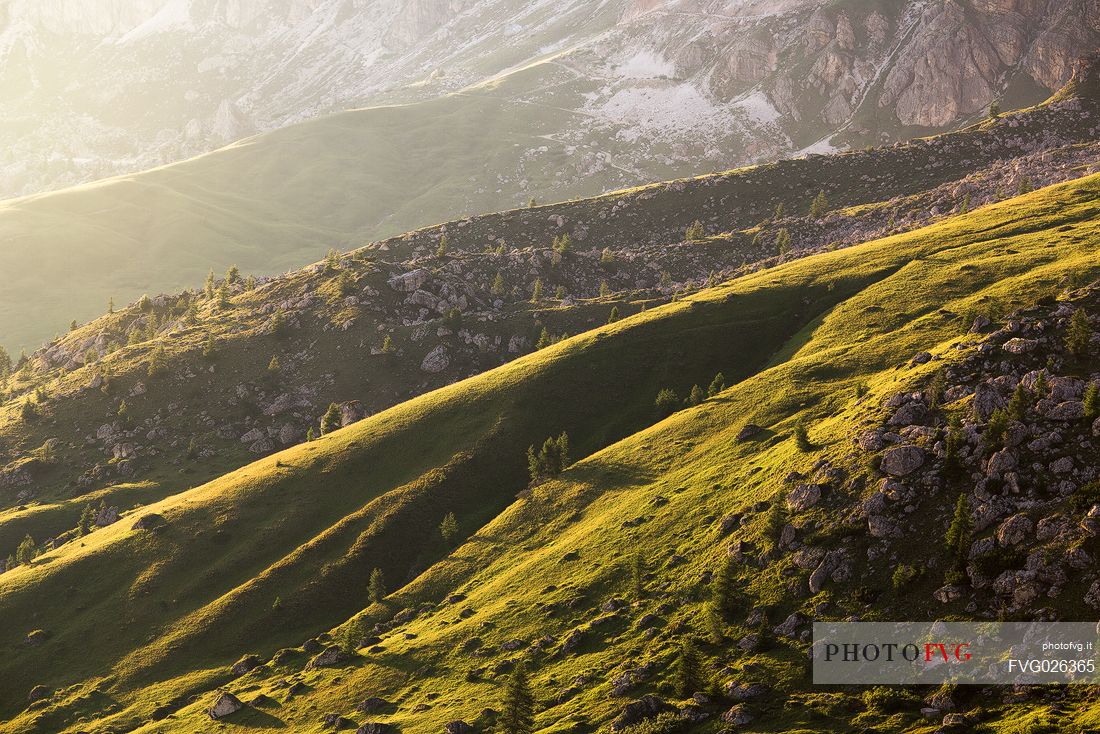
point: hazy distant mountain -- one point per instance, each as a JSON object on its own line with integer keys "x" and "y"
{"x": 98, "y": 87}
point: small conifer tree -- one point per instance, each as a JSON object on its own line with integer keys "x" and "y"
{"x": 1092, "y": 401}
{"x": 1018, "y": 405}
{"x": 819, "y": 207}
{"x": 552, "y": 459}
{"x": 517, "y": 714}
{"x": 26, "y": 551}
{"x": 376, "y": 587}
{"x": 330, "y": 421}
{"x": 716, "y": 626}
{"x": 802, "y": 437}
{"x": 957, "y": 539}
{"x": 158, "y": 362}
{"x": 996, "y": 429}
{"x": 87, "y": 520}
{"x": 448, "y": 529}
{"x": 724, "y": 593}
{"x": 688, "y": 680}
{"x": 783, "y": 241}
{"x": 717, "y": 385}
{"x": 695, "y": 232}
{"x": 1079, "y": 334}
{"x": 223, "y": 295}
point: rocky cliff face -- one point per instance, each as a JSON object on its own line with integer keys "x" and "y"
{"x": 98, "y": 86}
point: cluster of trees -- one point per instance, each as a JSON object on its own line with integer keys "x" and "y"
{"x": 695, "y": 232}
{"x": 668, "y": 402}
{"x": 819, "y": 207}
{"x": 550, "y": 460}
{"x": 547, "y": 339}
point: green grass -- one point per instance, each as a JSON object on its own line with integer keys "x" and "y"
{"x": 151, "y": 617}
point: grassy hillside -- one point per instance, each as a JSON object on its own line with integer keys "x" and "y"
{"x": 629, "y": 252}
{"x": 281, "y": 199}
{"x": 149, "y": 619}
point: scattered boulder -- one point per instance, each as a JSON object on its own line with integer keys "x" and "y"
{"x": 803, "y": 497}
{"x": 638, "y": 711}
{"x": 245, "y": 664}
{"x": 38, "y": 693}
{"x": 1017, "y": 345}
{"x": 1001, "y": 462}
{"x": 987, "y": 400}
{"x": 737, "y": 716}
{"x": 373, "y": 705}
{"x": 748, "y": 431}
{"x": 457, "y": 727}
{"x": 225, "y": 705}
{"x": 337, "y": 722}
{"x": 106, "y": 516}
{"x": 151, "y": 521}
{"x": 1070, "y": 410}
{"x": 376, "y": 727}
{"x": 1063, "y": 465}
{"x": 436, "y": 360}
{"x": 1015, "y": 530}
{"x": 871, "y": 440}
{"x": 902, "y": 460}
{"x": 328, "y": 657}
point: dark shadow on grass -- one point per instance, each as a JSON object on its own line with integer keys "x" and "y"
{"x": 611, "y": 474}
{"x": 254, "y": 718}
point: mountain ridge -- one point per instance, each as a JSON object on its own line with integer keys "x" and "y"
{"x": 692, "y": 453}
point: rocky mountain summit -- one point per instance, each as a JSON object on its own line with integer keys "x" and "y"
{"x": 678, "y": 79}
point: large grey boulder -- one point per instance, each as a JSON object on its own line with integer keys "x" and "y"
{"x": 902, "y": 460}
{"x": 225, "y": 705}
{"x": 803, "y": 497}
{"x": 436, "y": 360}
